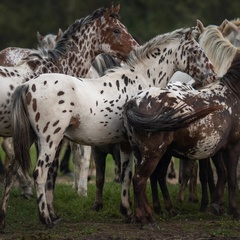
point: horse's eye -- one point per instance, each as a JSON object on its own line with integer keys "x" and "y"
{"x": 117, "y": 31}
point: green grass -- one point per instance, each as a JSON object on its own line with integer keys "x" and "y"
{"x": 22, "y": 218}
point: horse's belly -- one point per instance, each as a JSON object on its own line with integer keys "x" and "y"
{"x": 91, "y": 134}
{"x": 204, "y": 148}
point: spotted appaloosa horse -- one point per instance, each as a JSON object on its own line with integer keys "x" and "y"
{"x": 90, "y": 110}
{"x": 99, "y": 32}
{"x": 11, "y": 56}
{"x": 157, "y": 121}
{"x": 231, "y": 31}
{"x": 217, "y": 48}
{"x": 49, "y": 41}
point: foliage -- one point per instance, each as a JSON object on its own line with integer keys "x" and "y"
{"x": 20, "y": 20}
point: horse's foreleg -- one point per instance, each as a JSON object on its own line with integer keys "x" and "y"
{"x": 126, "y": 177}
{"x": 162, "y": 174}
{"x": 193, "y": 184}
{"x": 217, "y": 197}
{"x": 117, "y": 161}
{"x": 154, "y": 189}
{"x": 203, "y": 176}
{"x": 99, "y": 158}
{"x": 81, "y": 158}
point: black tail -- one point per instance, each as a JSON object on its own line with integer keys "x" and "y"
{"x": 163, "y": 120}
{"x": 21, "y": 128}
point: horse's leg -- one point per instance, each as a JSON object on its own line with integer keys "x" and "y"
{"x": 172, "y": 172}
{"x": 126, "y": 177}
{"x": 117, "y": 161}
{"x": 99, "y": 158}
{"x": 51, "y": 180}
{"x": 10, "y": 177}
{"x": 217, "y": 198}
{"x": 64, "y": 165}
{"x": 162, "y": 174}
{"x": 185, "y": 172}
{"x": 40, "y": 175}
{"x": 203, "y": 176}
{"x": 231, "y": 163}
{"x": 154, "y": 189}
{"x": 25, "y": 180}
{"x": 147, "y": 160}
{"x": 81, "y": 158}
{"x": 193, "y": 184}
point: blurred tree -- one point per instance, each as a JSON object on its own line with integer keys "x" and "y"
{"x": 20, "y": 20}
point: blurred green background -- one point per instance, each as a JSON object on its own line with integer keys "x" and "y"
{"x": 20, "y": 20}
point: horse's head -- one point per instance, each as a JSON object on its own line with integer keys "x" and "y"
{"x": 197, "y": 63}
{"x": 118, "y": 41}
{"x": 231, "y": 31}
{"x": 48, "y": 41}
{"x": 218, "y": 49}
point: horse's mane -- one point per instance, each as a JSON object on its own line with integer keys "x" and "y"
{"x": 142, "y": 52}
{"x": 61, "y": 46}
{"x": 232, "y": 77}
{"x": 217, "y": 48}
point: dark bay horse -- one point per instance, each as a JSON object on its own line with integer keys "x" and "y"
{"x": 195, "y": 124}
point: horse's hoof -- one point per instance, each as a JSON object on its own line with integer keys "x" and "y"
{"x": 97, "y": 207}
{"x": 129, "y": 219}
{"x": 215, "y": 209}
{"x": 151, "y": 226}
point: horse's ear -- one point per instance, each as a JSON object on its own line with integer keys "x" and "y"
{"x": 223, "y": 25}
{"x": 188, "y": 34}
{"x": 200, "y": 26}
{"x": 59, "y": 35}
{"x": 116, "y": 9}
{"x": 39, "y": 37}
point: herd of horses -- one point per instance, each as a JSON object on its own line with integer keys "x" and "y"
{"x": 125, "y": 99}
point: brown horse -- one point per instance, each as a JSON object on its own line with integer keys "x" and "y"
{"x": 195, "y": 124}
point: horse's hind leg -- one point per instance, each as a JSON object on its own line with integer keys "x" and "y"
{"x": 45, "y": 164}
{"x": 9, "y": 180}
{"x": 126, "y": 177}
{"x": 154, "y": 189}
{"x": 50, "y": 185}
{"x": 25, "y": 181}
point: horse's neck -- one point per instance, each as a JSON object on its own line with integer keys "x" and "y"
{"x": 157, "y": 71}
{"x": 81, "y": 50}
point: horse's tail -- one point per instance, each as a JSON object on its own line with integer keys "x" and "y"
{"x": 163, "y": 119}
{"x": 21, "y": 128}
